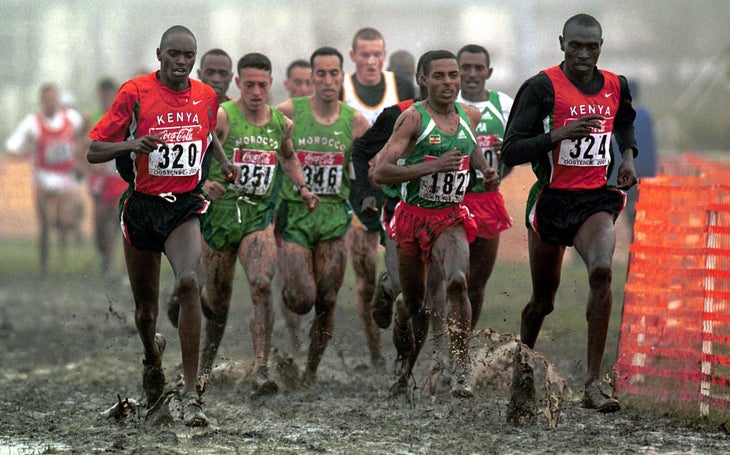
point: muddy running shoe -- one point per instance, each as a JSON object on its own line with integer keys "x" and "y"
{"x": 263, "y": 386}
{"x": 192, "y": 412}
{"x": 594, "y": 398}
{"x": 173, "y": 310}
{"x": 400, "y": 388}
{"x": 460, "y": 387}
{"x": 153, "y": 377}
{"x": 383, "y": 301}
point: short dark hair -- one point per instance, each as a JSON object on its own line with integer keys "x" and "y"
{"x": 215, "y": 51}
{"x": 367, "y": 34}
{"x": 324, "y": 52}
{"x": 473, "y": 49}
{"x": 430, "y": 56}
{"x": 254, "y": 60}
{"x": 107, "y": 84}
{"x": 176, "y": 29}
{"x": 585, "y": 20}
{"x": 298, "y": 63}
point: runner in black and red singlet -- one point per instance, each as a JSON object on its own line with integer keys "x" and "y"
{"x": 562, "y": 121}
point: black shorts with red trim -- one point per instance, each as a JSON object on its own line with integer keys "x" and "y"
{"x": 148, "y": 220}
{"x": 558, "y": 214}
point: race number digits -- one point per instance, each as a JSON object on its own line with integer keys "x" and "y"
{"x": 445, "y": 186}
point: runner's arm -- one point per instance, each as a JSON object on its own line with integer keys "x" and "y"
{"x": 291, "y": 167}
{"x": 400, "y": 145}
{"x": 101, "y": 152}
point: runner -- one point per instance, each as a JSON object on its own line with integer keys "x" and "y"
{"x": 106, "y": 187}
{"x": 52, "y": 134}
{"x": 369, "y": 90}
{"x": 429, "y": 153}
{"x": 487, "y": 207}
{"x": 298, "y": 83}
{"x": 562, "y": 122}
{"x": 158, "y": 130}
{"x": 298, "y": 78}
{"x": 312, "y": 257}
{"x": 257, "y": 138}
{"x": 371, "y": 197}
{"x": 216, "y": 70}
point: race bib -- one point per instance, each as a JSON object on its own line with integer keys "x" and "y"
{"x": 486, "y": 143}
{"x": 322, "y": 170}
{"x": 182, "y": 154}
{"x": 587, "y": 151}
{"x": 445, "y": 186}
{"x": 257, "y": 170}
{"x": 58, "y": 153}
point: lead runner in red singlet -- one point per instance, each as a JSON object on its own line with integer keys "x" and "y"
{"x": 562, "y": 121}
{"x": 158, "y": 129}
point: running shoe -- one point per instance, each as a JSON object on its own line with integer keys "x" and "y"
{"x": 460, "y": 387}
{"x": 192, "y": 412}
{"x": 263, "y": 386}
{"x": 153, "y": 376}
{"x": 594, "y": 398}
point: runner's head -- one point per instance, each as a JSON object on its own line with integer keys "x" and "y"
{"x": 216, "y": 70}
{"x": 327, "y": 75}
{"x": 475, "y": 70}
{"x": 298, "y": 78}
{"x": 50, "y": 99}
{"x": 581, "y": 43}
{"x": 176, "y": 55}
{"x": 441, "y": 76}
{"x": 368, "y": 55}
{"x": 106, "y": 90}
{"x": 254, "y": 80}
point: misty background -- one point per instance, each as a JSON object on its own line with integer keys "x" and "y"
{"x": 678, "y": 51}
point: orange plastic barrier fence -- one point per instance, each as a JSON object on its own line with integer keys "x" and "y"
{"x": 674, "y": 343}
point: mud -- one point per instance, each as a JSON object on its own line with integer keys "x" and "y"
{"x": 70, "y": 350}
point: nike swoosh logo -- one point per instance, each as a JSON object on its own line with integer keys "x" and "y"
{"x": 195, "y": 103}
{"x": 269, "y": 130}
{"x": 608, "y": 94}
{"x": 337, "y": 133}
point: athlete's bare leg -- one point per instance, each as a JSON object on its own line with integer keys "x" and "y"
{"x": 106, "y": 234}
{"x": 43, "y": 212}
{"x": 482, "y": 256}
{"x": 183, "y": 249}
{"x": 292, "y": 321}
{"x": 595, "y": 242}
{"x": 451, "y": 252}
{"x": 330, "y": 261}
{"x": 312, "y": 279}
{"x": 143, "y": 268}
{"x": 546, "y": 260}
{"x": 258, "y": 257}
{"x": 408, "y": 305}
{"x": 363, "y": 247}
{"x": 296, "y": 269}
{"x": 220, "y": 270}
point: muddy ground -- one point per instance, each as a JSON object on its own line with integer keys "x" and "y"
{"x": 69, "y": 348}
